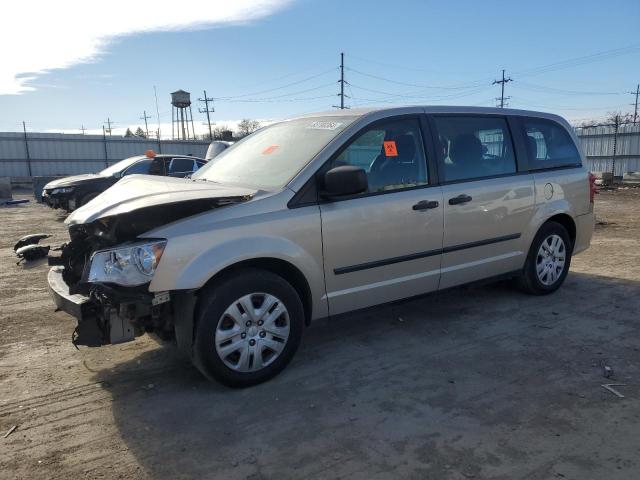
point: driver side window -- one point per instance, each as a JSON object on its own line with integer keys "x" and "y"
{"x": 391, "y": 153}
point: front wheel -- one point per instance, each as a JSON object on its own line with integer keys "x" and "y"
{"x": 548, "y": 261}
{"x": 248, "y": 327}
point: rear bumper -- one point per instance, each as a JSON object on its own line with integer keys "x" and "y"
{"x": 584, "y": 232}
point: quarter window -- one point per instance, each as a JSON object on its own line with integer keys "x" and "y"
{"x": 474, "y": 147}
{"x": 549, "y": 145}
{"x": 391, "y": 153}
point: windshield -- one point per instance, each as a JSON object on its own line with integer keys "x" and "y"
{"x": 269, "y": 158}
{"x": 121, "y": 165}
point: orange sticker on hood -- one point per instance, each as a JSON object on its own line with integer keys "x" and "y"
{"x": 269, "y": 150}
{"x": 390, "y": 149}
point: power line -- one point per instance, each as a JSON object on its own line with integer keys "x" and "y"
{"x": 277, "y": 88}
{"x": 578, "y": 61}
{"x": 533, "y": 103}
{"x": 276, "y": 99}
{"x": 206, "y": 110}
{"x": 417, "y": 85}
{"x": 417, "y": 94}
{"x": 502, "y": 84}
{"x": 396, "y": 66}
{"x": 554, "y": 90}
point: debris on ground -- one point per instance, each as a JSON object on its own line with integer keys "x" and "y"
{"x": 609, "y": 386}
{"x": 8, "y": 203}
{"x": 30, "y": 240}
{"x": 29, "y": 253}
{"x": 602, "y": 222}
{"x": 607, "y": 371}
{"x": 10, "y": 431}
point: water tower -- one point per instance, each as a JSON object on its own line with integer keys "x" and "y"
{"x": 181, "y": 116}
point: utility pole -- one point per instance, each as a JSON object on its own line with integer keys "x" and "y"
{"x": 108, "y": 122}
{"x": 83, "y": 129}
{"x": 502, "y": 82}
{"x": 206, "y": 110}
{"x": 26, "y": 147}
{"x": 616, "y": 126}
{"x": 635, "y": 110}
{"x": 145, "y": 117}
{"x": 341, "y": 82}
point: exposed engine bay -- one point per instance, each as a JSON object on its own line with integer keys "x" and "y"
{"x": 115, "y": 313}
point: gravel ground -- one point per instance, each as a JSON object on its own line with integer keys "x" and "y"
{"x": 475, "y": 382}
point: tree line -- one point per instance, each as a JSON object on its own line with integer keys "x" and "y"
{"x": 246, "y": 126}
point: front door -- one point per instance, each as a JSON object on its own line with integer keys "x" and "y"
{"x": 487, "y": 205}
{"x": 385, "y": 244}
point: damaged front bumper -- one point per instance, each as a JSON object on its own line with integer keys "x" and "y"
{"x": 98, "y": 323}
{"x": 65, "y": 201}
{"x": 108, "y": 316}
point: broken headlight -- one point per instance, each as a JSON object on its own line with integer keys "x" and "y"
{"x": 132, "y": 265}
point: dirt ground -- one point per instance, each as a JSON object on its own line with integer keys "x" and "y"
{"x": 476, "y": 382}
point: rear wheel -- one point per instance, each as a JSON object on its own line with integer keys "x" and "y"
{"x": 249, "y": 326}
{"x": 548, "y": 261}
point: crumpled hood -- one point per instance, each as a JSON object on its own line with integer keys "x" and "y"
{"x": 73, "y": 180}
{"x": 134, "y": 192}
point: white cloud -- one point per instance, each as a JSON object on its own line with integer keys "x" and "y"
{"x": 42, "y": 35}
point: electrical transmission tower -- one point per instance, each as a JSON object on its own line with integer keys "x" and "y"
{"x": 206, "y": 110}
{"x": 145, "y": 117}
{"x": 83, "y": 129}
{"x": 502, "y": 83}
{"x": 342, "y": 82}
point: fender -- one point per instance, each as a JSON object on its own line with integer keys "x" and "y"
{"x": 210, "y": 261}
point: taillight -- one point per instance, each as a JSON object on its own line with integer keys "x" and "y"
{"x": 593, "y": 188}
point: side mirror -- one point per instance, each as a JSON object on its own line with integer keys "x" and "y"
{"x": 344, "y": 180}
{"x": 117, "y": 174}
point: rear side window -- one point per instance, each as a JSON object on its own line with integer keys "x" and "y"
{"x": 549, "y": 145}
{"x": 474, "y": 147}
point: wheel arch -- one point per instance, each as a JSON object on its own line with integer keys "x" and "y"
{"x": 277, "y": 266}
{"x": 567, "y": 222}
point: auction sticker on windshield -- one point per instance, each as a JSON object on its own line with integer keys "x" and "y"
{"x": 325, "y": 125}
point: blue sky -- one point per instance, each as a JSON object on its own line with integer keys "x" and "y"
{"x": 395, "y": 52}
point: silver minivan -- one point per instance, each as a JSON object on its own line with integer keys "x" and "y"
{"x": 319, "y": 216}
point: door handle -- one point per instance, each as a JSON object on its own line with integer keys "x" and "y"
{"x": 460, "y": 199}
{"x": 425, "y": 205}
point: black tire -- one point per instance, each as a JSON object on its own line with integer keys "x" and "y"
{"x": 529, "y": 280}
{"x": 213, "y": 301}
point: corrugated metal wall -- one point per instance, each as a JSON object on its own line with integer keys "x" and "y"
{"x": 61, "y": 154}
{"x": 597, "y": 145}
